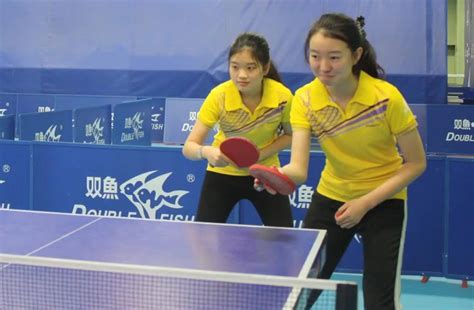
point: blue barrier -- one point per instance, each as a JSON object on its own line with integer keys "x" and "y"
{"x": 425, "y": 245}
{"x": 70, "y": 102}
{"x": 158, "y": 108}
{"x": 459, "y": 261}
{"x": 15, "y": 175}
{"x": 159, "y": 183}
{"x": 450, "y": 129}
{"x": 181, "y": 114}
{"x": 7, "y": 127}
{"x": 132, "y": 123}
{"x": 116, "y": 181}
{"x": 51, "y": 126}
{"x": 8, "y": 103}
{"x": 31, "y": 103}
{"x": 93, "y": 125}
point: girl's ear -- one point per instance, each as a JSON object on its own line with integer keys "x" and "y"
{"x": 266, "y": 68}
{"x": 357, "y": 54}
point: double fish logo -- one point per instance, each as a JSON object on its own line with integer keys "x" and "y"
{"x": 97, "y": 131}
{"x": 50, "y": 134}
{"x": 137, "y": 124}
{"x": 155, "y": 117}
{"x": 146, "y": 193}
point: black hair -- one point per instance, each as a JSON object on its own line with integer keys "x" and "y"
{"x": 260, "y": 50}
{"x": 344, "y": 28}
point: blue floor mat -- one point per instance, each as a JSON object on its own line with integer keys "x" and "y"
{"x": 436, "y": 294}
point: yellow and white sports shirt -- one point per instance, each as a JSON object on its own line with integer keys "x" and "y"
{"x": 224, "y": 106}
{"x": 360, "y": 141}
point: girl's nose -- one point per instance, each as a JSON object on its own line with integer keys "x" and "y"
{"x": 324, "y": 65}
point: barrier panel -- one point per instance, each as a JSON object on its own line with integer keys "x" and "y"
{"x": 159, "y": 183}
{"x": 460, "y": 215}
{"x": 70, "y": 102}
{"x": 7, "y": 127}
{"x": 132, "y": 123}
{"x": 426, "y": 228}
{"x": 144, "y": 182}
{"x": 157, "y": 119}
{"x": 15, "y": 175}
{"x": 450, "y": 129}
{"x": 30, "y": 103}
{"x": 93, "y": 125}
{"x": 8, "y": 103}
{"x": 55, "y": 126}
{"x": 181, "y": 114}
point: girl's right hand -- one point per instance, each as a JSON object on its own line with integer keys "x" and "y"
{"x": 215, "y": 157}
{"x": 259, "y": 186}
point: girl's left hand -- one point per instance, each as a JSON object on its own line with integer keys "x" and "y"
{"x": 351, "y": 213}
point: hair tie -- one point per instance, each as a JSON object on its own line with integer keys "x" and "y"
{"x": 360, "y": 21}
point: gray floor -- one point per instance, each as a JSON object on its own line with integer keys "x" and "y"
{"x": 436, "y": 294}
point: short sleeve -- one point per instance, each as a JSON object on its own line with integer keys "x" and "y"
{"x": 399, "y": 115}
{"x": 210, "y": 110}
{"x": 287, "y": 110}
{"x": 299, "y": 110}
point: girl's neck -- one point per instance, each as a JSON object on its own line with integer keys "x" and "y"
{"x": 343, "y": 93}
{"x": 252, "y": 100}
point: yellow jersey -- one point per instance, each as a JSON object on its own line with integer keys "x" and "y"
{"x": 359, "y": 142}
{"x": 224, "y": 107}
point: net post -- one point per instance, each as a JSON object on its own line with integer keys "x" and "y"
{"x": 346, "y": 297}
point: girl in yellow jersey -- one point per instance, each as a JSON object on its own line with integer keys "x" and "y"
{"x": 253, "y": 104}
{"x": 359, "y": 120}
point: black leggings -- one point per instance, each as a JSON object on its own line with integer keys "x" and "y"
{"x": 382, "y": 231}
{"x": 221, "y": 192}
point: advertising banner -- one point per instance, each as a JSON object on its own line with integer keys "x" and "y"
{"x": 181, "y": 114}
{"x": 70, "y": 102}
{"x": 450, "y": 129}
{"x": 157, "y": 119}
{"x": 55, "y": 126}
{"x": 7, "y": 127}
{"x": 93, "y": 125}
{"x": 8, "y": 103}
{"x": 15, "y": 175}
{"x": 132, "y": 123}
{"x": 143, "y": 182}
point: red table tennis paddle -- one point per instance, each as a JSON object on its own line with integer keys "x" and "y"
{"x": 241, "y": 151}
{"x": 271, "y": 177}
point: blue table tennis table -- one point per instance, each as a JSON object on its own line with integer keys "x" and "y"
{"x": 146, "y": 244}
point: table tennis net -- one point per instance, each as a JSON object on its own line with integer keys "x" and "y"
{"x": 42, "y": 283}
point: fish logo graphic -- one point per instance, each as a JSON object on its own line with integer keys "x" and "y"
{"x": 155, "y": 117}
{"x": 137, "y": 124}
{"x": 50, "y": 134}
{"x": 146, "y": 193}
{"x": 97, "y": 130}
